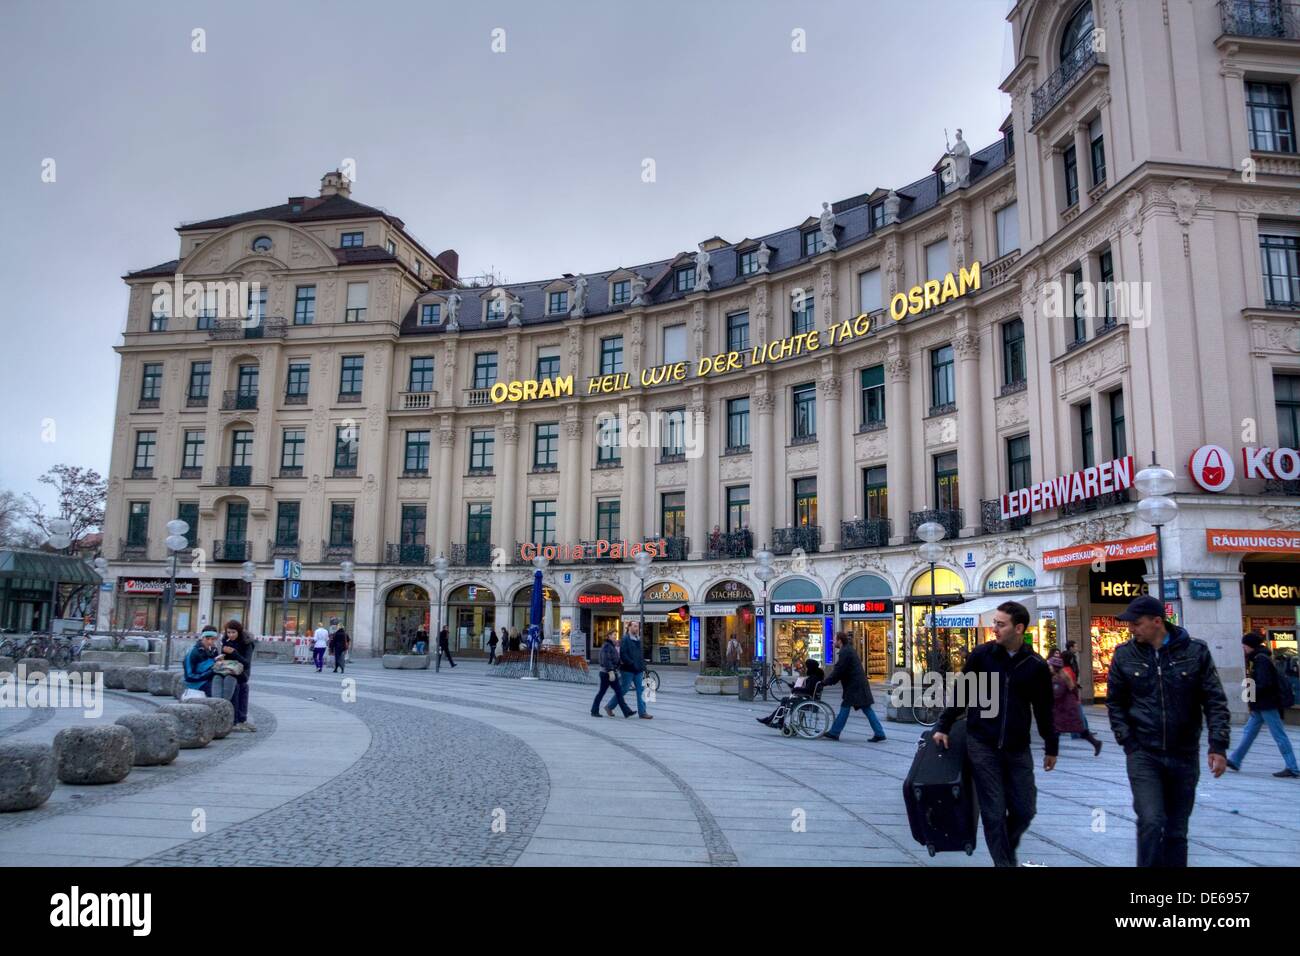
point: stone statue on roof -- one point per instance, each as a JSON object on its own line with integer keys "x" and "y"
{"x": 638, "y": 291}
{"x": 516, "y": 310}
{"x": 702, "y": 278}
{"x": 892, "y": 203}
{"x": 960, "y": 155}
{"x": 579, "y": 298}
{"x": 828, "y": 228}
{"x": 453, "y": 311}
{"x": 764, "y": 254}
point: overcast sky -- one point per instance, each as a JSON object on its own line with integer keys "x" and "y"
{"x": 527, "y": 162}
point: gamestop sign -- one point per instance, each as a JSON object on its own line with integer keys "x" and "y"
{"x": 1109, "y": 476}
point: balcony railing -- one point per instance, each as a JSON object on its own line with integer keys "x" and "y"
{"x": 475, "y": 554}
{"x": 291, "y": 471}
{"x": 730, "y": 544}
{"x": 478, "y": 397}
{"x": 191, "y": 472}
{"x": 1077, "y": 62}
{"x": 128, "y": 548}
{"x": 267, "y": 328}
{"x": 996, "y": 272}
{"x": 141, "y": 472}
{"x": 1108, "y": 500}
{"x": 992, "y": 521}
{"x": 949, "y": 518}
{"x": 196, "y": 401}
{"x": 1272, "y": 19}
{"x": 283, "y": 549}
{"x": 295, "y": 398}
{"x": 410, "y": 554}
{"x": 672, "y": 457}
{"x": 349, "y": 398}
{"x": 336, "y": 551}
{"x": 677, "y": 548}
{"x": 1282, "y": 486}
{"x": 1012, "y": 387}
{"x": 231, "y": 550}
{"x": 149, "y": 402}
{"x": 806, "y": 537}
{"x": 344, "y": 471}
{"x": 1272, "y": 302}
{"x": 865, "y": 533}
{"x": 413, "y": 401}
{"x": 589, "y": 555}
{"x": 235, "y": 476}
{"x": 238, "y": 400}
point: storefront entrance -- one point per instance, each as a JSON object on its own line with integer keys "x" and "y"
{"x": 142, "y": 604}
{"x": 406, "y": 614}
{"x": 230, "y": 601}
{"x": 471, "y": 612}
{"x": 668, "y": 626}
{"x": 600, "y": 616}
{"x": 1109, "y": 593}
{"x": 866, "y": 612}
{"x": 940, "y": 648}
{"x": 1270, "y": 605}
{"x": 319, "y": 602}
{"x": 800, "y": 624}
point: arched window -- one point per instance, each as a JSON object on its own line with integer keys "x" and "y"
{"x": 1077, "y": 29}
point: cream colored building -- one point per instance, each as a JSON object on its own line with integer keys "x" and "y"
{"x": 1147, "y": 152}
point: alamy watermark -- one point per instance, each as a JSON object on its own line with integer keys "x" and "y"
{"x": 977, "y": 690}
{"x": 680, "y": 432}
{"x": 62, "y": 689}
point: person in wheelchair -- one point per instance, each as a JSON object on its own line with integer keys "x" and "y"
{"x": 806, "y": 686}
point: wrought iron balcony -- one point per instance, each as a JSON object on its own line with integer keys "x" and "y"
{"x": 1270, "y": 19}
{"x": 196, "y": 401}
{"x": 409, "y": 554}
{"x": 677, "y": 548}
{"x": 589, "y": 555}
{"x": 671, "y": 457}
{"x": 1108, "y": 500}
{"x": 992, "y": 521}
{"x": 949, "y": 518}
{"x": 804, "y": 439}
{"x": 234, "y": 399}
{"x": 141, "y": 472}
{"x": 291, "y": 471}
{"x": 1012, "y": 387}
{"x": 475, "y": 554}
{"x": 1076, "y": 63}
{"x": 336, "y": 550}
{"x": 730, "y": 544}
{"x": 251, "y": 328}
{"x": 344, "y": 471}
{"x": 133, "y": 547}
{"x": 1282, "y": 486}
{"x": 295, "y": 398}
{"x": 191, "y": 472}
{"x": 349, "y": 398}
{"x": 224, "y": 549}
{"x": 149, "y": 403}
{"x": 283, "y": 549}
{"x": 865, "y": 533}
{"x": 235, "y": 476}
{"x": 806, "y": 537}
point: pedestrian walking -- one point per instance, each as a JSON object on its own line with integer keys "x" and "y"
{"x": 238, "y": 647}
{"x": 514, "y": 639}
{"x": 733, "y": 654}
{"x": 1065, "y": 703}
{"x": 421, "y": 645}
{"x": 444, "y": 645}
{"x": 320, "y": 641}
{"x": 609, "y": 680}
{"x": 492, "y": 646}
{"x": 1271, "y": 698}
{"x": 340, "y": 643}
{"x": 998, "y": 730}
{"x": 856, "y": 689}
{"x": 631, "y": 656}
{"x": 1071, "y": 658}
{"x": 1160, "y": 683}
{"x": 198, "y": 664}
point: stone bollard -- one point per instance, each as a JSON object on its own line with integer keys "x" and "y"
{"x": 7, "y": 665}
{"x": 198, "y": 724}
{"x": 136, "y": 679}
{"x": 113, "y": 677}
{"x": 34, "y": 665}
{"x": 157, "y": 737}
{"x": 86, "y": 667}
{"x": 162, "y": 683}
{"x": 178, "y": 684}
{"x": 225, "y": 712}
{"x": 27, "y": 776}
{"x": 94, "y": 754}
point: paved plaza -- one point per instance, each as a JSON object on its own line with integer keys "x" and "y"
{"x": 460, "y": 767}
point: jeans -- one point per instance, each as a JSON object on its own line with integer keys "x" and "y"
{"x": 1008, "y": 799}
{"x": 318, "y": 657}
{"x": 606, "y": 685}
{"x": 1273, "y": 718}
{"x": 241, "y": 702}
{"x": 842, "y": 718}
{"x": 340, "y": 658}
{"x": 628, "y": 679}
{"x": 1164, "y": 789}
{"x": 492, "y": 653}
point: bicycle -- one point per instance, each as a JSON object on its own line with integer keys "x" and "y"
{"x": 771, "y": 683}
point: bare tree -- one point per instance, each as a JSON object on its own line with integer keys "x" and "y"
{"x": 81, "y": 494}
{"x": 14, "y": 530}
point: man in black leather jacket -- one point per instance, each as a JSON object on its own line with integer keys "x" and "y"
{"x": 1159, "y": 684}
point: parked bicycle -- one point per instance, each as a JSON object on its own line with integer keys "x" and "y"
{"x": 774, "y": 683}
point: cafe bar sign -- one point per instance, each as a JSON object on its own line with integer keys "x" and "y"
{"x": 1102, "y": 479}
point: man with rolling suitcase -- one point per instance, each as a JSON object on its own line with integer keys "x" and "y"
{"x": 997, "y": 730}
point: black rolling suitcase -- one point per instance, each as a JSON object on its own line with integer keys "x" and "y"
{"x": 940, "y": 796}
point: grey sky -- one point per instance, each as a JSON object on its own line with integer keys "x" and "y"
{"x": 528, "y": 161}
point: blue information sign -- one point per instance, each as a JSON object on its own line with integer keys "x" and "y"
{"x": 1204, "y": 589}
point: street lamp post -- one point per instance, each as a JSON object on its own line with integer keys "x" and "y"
{"x": 931, "y": 532}
{"x": 1153, "y": 484}
{"x": 59, "y": 538}
{"x": 764, "y": 572}
{"x": 100, "y": 565}
{"x": 440, "y": 572}
{"x": 346, "y": 575}
{"x": 176, "y": 542}
{"x": 540, "y": 563}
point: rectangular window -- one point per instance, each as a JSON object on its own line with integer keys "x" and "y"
{"x": 738, "y": 332}
{"x": 620, "y": 292}
{"x": 673, "y": 439}
{"x": 1118, "y": 437}
{"x": 611, "y": 355}
{"x": 546, "y": 445}
{"x": 1269, "y": 117}
{"x": 943, "y": 386}
{"x": 875, "y": 491}
{"x": 151, "y": 382}
{"x": 548, "y": 364}
{"x": 672, "y": 514}
{"x": 200, "y": 377}
{"x": 1018, "y": 463}
{"x": 304, "y": 305}
{"x": 412, "y": 529}
{"x": 674, "y": 344}
{"x": 608, "y": 519}
{"x": 945, "y": 482}
{"x": 869, "y": 292}
{"x": 812, "y": 242}
{"x": 341, "y": 524}
{"x": 1280, "y": 264}
{"x": 293, "y": 452}
{"x": 684, "y": 279}
{"x": 1008, "y": 226}
{"x": 737, "y": 423}
{"x": 207, "y": 317}
{"x": 937, "y": 260}
{"x": 350, "y": 374}
{"x": 257, "y": 302}
{"x": 345, "y": 447}
{"x": 157, "y": 321}
{"x": 482, "y": 445}
{"x": 146, "y": 444}
{"x": 421, "y": 378}
{"x": 496, "y": 309}
{"x": 192, "y": 456}
{"x": 872, "y": 380}
{"x": 557, "y": 303}
{"x": 478, "y": 526}
{"x": 1013, "y": 352}
{"x": 1070, "y": 165}
{"x": 748, "y": 262}
{"x": 609, "y": 445}
{"x": 1078, "y": 313}
{"x": 358, "y": 302}
{"x": 805, "y": 501}
{"x": 485, "y": 369}
{"x": 286, "y": 522}
{"x": 298, "y": 379}
{"x": 417, "y": 452}
{"x": 1286, "y": 395}
{"x": 877, "y": 212}
{"x": 188, "y": 511}
{"x": 1085, "y": 436}
{"x": 137, "y": 524}
{"x": 390, "y": 246}
{"x": 1097, "y": 152}
{"x": 737, "y": 509}
{"x": 241, "y": 448}
{"x": 236, "y": 522}
{"x": 248, "y": 377}
{"x": 802, "y": 314}
{"x": 352, "y": 240}
{"x": 430, "y": 313}
{"x": 543, "y": 523}
{"x": 805, "y": 410}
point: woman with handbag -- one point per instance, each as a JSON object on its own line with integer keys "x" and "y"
{"x": 1066, "y": 712}
{"x": 237, "y": 649}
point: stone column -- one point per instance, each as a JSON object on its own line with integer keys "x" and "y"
{"x": 632, "y": 507}
{"x": 762, "y": 458}
{"x": 444, "y": 493}
{"x": 898, "y": 414}
{"x": 367, "y": 622}
{"x": 205, "y": 599}
{"x": 1234, "y": 91}
{"x": 507, "y": 490}
{"x": 1083, "y": 165}
{"x": 969, "y": 456}
{"x": 570, "y": 503}
{"x": 830, "y": 495}
{"x": 256, "y": 622}
{"x": 697, "y": 484}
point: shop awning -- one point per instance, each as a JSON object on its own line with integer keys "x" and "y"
{"x": 47, "y": 568}
{"x": 979, "y": 612}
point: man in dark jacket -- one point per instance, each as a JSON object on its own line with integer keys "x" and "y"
{"x": 1265, "y": 706}
{"x": 609, "y": 662}
{"x": 444, "y": 647}
{"x": 849, "y": 674}
{"x": 1159, "y": 684}
{"x": 631, "y": 657}
{"x": 340, "y": 641}
{"x": 997, "y": 730}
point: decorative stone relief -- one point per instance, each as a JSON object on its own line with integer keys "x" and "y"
{"x": 1012, "y": 410}
{"x": 666, "y": 475}
{"x": 870, "y": 446}
{"x": 941, "y": 430}
{"x": 606, "y": 480}
{"x": 1281, "y": 517}
{"x": 966, "y": 345}
{"x": 1286, "y": 205}
{"x": 1096, "y": 362}
{"x": 934, "y": 336}
{"x": 734, "y": 466}
{"x": 477, "y": 487}
{"x": 1185, "y": 198}
{"x": 413, "y": 488}
{"x": 1105, "y": 528}
{"x": 801, "y": 457}
{"x": 865, "y": 561}
{"x": 1275, "y": 336}
{"x": 214, "y": 259}
{"x": 543, "y": 485}
{"x": 899, "y": 368}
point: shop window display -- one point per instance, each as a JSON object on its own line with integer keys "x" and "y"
{"x": 1108, "y": 633}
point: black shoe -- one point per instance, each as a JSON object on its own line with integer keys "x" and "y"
{"x": 1286, "y": 772}
{"x": 594, "y": 714}
{"x": 876, "y": 739}
{"x": 830, "y": 736}
{"x": 1096, "y": 748}
{"x": 1231, "y": 765}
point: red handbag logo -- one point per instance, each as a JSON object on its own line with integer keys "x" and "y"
{"x": 1211, "y": 467}
{"x": 1213, "y": 471}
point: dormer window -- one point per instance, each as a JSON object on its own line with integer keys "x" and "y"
{"x": 295, "y": 207}
{"x": 557, "y": 303}
{"x": 430, "y": 313}
{"x": 352, "y": 240}
{"x": 877, "y": 216}
{"x": 496, "y": 309}
{"x": 621, "y": 292}
{"x": 749, "y": 262}
{"x": 684, "y": 279}
{"x": 419, "y": 270}
{"x": 812, "y": 242}
{"x": 391, "y": 247}
{"x": 262, "y": 244}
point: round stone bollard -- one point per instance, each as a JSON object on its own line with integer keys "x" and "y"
{"x": 114, "y": 675}
{"x": 157, "y": 737}
{"x": 86, "y": 667}
{"x": 27, "y": 776}
{"x": 94, "y": 754}
{"x": 225, "y": 712}
{"x": 136, "y": 679}
{"x": 198, "y": 724}
{"x": 7, "y": 665}
{"x": 162, "y": 683}
{"x": 33, "y": 665}
{"x": 178, "y": 684}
